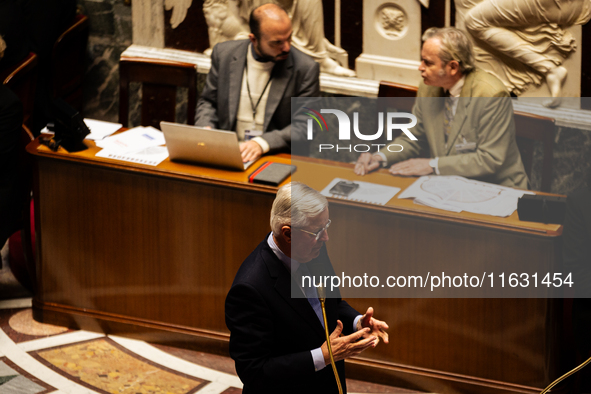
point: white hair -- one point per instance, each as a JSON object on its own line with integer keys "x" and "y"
{"x": 295, "y": 205}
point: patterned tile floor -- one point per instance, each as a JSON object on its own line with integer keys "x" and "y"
{"x": 38, "y": 358}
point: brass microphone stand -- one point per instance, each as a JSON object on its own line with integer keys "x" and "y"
{"x": 566, "y": 375}
{"x": 322, "y": 298}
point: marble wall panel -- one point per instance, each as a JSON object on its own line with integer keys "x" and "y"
{"x": 101, "y": 16}
{"x": 110, "y": 34}
{"x": 572, "y": 160}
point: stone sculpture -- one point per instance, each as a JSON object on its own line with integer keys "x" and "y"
{"x": 223, "y": 23}
{"x": 524, "y": 41}
{"x": 227, "y": 20}
{"x": 392, "y": 21}
{"x": 179, "y": 10}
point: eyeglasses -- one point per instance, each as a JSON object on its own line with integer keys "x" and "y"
{"x": 319, "y": 233}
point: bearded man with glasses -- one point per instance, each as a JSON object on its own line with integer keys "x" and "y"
{"x": 277, "y": 339}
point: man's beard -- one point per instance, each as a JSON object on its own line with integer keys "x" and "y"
{"x": 265, "y": 57}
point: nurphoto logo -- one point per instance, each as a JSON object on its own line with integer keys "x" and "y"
{"x": 345, "y": 129}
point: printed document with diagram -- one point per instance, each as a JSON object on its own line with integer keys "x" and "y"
{"x": 133, "y": 140}
{"x": 138, "y": 145}
{"x": 456, "y": 194}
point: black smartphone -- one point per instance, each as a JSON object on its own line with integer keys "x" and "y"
{"x": 344, "y": 188}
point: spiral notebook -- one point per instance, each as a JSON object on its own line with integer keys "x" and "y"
{"x": 366, "y": 192}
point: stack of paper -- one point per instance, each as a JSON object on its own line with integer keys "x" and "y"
{"x": 100, "y": 129}
{"x": 366, "y": 192}
{"x": 456, "y": 194}
{"x": 137, "y": 145}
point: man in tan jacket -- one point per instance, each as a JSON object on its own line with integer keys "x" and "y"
{"x": 464, "y": 120}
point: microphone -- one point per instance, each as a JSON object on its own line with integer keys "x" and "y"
{"x": 321, "y": 293}
{"x": 322, "y": 298}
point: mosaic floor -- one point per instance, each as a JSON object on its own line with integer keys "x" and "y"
{"x": 38, "y": 358}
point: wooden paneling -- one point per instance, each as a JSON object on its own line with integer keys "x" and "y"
{"x": 152, "y": 251}
{"x": 351, "y": 29}
{"x": 458, "y": 343}
{"x": 155, "y": 244}
{"x": 586, "y": 66}
{"x": 191, "y": 34}
{"x": 434, "y": 16}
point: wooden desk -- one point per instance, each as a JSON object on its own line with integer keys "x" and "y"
{"x": 467, "y": 345}
{"x": 137, "y": 250}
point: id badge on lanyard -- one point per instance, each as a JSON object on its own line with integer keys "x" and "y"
{"x": 252, "y": 133}
{"x": 465, "y": 146}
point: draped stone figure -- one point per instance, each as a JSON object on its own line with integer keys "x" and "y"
{"x": 179, "y": 10}
{"x": 524, "y": 42}
{"x": 223, "y": 22}
{"x": 228, "y": 20}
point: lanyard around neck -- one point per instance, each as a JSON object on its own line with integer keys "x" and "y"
{"x": 254, "y": 106}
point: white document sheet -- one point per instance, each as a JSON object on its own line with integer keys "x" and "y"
{"x": 366, "y": 192}
{"x": 151, "y": 156}
{"x": 100, "y": 129}
{"x": 132, "y": 140}
{"x": 456, "y": 194}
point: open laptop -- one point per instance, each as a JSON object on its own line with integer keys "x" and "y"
{"x": 204, "y": 146}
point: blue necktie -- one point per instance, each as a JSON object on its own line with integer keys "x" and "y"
{"x": 311, "y": 293}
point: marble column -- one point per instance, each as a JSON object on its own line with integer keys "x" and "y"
{"x": 147, "y": 17}
{"x": 391, "y": 41}
{"x": 110, "y": 35}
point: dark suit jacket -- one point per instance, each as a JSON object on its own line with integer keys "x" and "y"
{"x": 296, "y": 76}
{"x": 11, "y": 119}
{"x": 271, "y": 333}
